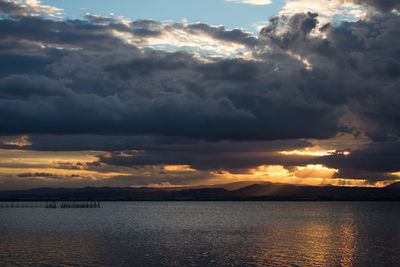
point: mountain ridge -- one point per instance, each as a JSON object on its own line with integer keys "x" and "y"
{"x": 257, "y": 191}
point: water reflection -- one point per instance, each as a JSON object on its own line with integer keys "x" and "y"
{"x": 333, "y": 238}
{"x": 348, "y": 234}
{"x": 205, "y": 234}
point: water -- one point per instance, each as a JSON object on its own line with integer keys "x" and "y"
{"x": 203, "y": 234}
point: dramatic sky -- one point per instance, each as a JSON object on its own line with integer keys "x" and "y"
{"x": 190, "y": 92}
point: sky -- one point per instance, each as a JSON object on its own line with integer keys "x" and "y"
{"x": 231, "y": 14}
{"x": 184, "y": 93}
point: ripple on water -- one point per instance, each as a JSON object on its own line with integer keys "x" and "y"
{"x": 204, "y": 234}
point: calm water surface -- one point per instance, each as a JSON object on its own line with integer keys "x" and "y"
{"x": 203, "y": 234}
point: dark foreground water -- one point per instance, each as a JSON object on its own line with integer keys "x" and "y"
{"x": 203, "y": 234}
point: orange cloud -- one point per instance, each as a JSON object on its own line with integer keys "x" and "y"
{"x": 309, "y": 151}
{"x": 179, "y": 168}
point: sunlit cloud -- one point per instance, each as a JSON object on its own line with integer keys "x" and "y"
{"x": 27, "y": 157}
{"x": 314, "y": 171}
{"x": 386, "y": 182}
{"x": 326, "y": 9}
{"x": 305, "y": 61}
{"x": 197, "y": 43}
{"x": 309, "y": 151}
{"x": 179, "y": 168}
{"x": 198, "y": 38}
{"x": 313, "y": 174}
{"x": 35, "y": 8}
{"x": 19, "y": 141}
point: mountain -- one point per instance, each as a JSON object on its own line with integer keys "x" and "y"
{"x": 264, "y": 191}
{"x": 229, "y": 186}
{"x": 395, "y": 185}
{"x": 268, "y": 189}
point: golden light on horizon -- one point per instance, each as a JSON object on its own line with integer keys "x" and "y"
{"x": 45, "y": 157}
{"x": 77, "y": 165}
{"x": 315, "y": 151}
{"x": 67, "y": 173}
{"x": 312, "y": 174}
{"x": 315, "y": 171}
{"x": 309, "y": 151}
{"x": 179, "y": 168}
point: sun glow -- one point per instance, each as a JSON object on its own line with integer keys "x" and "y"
{"x": 315, "y": 171}
{"x": 312, "y": 174}
{"x": 178, "y": 168}
{"x": 313, "y": 151}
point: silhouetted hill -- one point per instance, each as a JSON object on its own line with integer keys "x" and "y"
{"x": 265, "y": 191}
{"x": 394, "y": 186}
{"x": 229, "y": 186}
{"x": 296, "y": 192}
{"x": 270, "y": 189}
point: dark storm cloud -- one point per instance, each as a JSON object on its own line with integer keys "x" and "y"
{"x": 230, "y": 70}
{"x": 359, "y": 60}
{"x": 19, "y": 87}
{"x": 151, "y": 143}
{"x": 220, "y": 33}
{"x": 376, "y": 158}
{"x": 205, "y": 160}
{"x": 298, "y": 28}
{"x": 76, "y": 85}
{"x": 129, "y": 91}
{"x": 67, "y": 34}
{"x": 375, "y": 162}
{"x": 233, "y": 156}
{"x": 371, "y": 50}
{"x": 146, "y": 66}
{"x": 19, "y": 64}
{"x": 381, "y": 5}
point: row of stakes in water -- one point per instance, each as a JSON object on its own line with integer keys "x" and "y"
{"x": 50, "y": 204}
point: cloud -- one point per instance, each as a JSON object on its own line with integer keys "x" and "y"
{"x": 16, "y": 9}
{"x": 214, "y": 156}
{"x": 384, "y": 6}
{"x": 103, "y": 84}
{"x": 374, "y": 162}
{"x": 252, "y": 2}
{"x": 45, "y": 176}
{"x": 328, "y": 10}
{"x": 92, "y": 88}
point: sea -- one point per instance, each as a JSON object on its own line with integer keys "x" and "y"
{"x": 190, "y": 233}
